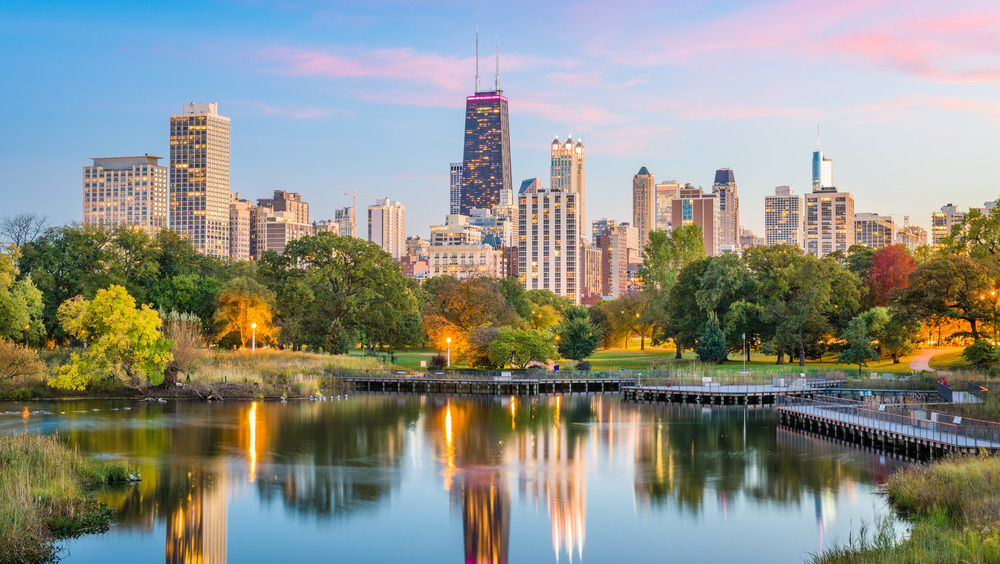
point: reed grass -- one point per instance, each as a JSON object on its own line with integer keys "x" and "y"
{"x": 954, "y": 504}
{"x": 43, "y": 495}
{"x": 299, "y": 373}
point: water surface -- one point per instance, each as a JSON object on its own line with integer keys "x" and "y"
{"x": 387, "y": 477}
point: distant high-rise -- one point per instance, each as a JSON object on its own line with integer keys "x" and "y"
{"x": 548, "y": 244}
{"x": 240, "y": 217}
{"x": 822, "y": 175}
{"x": 643, "y": 205}
{"x": 694, "y": 207}
{"x": 942, "y": 221}
{"x": 619, "y": 248}
{"x": 600, "y": 226}
{"x": 347, "y": 223}
{"x": 874, "y": 230}
{"x": 829, "y": 224}
{"x": 729, "y": 207}
{"x": 455, "y": 188}
{"x": 289, "y": 202}
{"x": 665, "y": 193}
{"x": 486, "y": 157}
{"x": 199, "y": 177}
{"x": 126, "y": 191}
{"x": 387, "y": 226}
{"x": 568, "y": 173}
{"x": 783, "y": 218}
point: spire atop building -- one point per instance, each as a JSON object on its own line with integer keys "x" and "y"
{"x": 477, "y": 57}
{"x": 498, "y": 64}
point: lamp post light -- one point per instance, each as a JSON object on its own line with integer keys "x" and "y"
{"x": 449, "y": 351}
{"x": 254, "y": 341}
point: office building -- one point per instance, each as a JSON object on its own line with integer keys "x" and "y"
{"x": 874, "y": 230}
{"x": 288, "y": 202}
{"x": 417, "y": 247}
{"x": 199, "y": 178}
{"x": 829, "y": 223}
{"x": 464, "y": 261}
{"x": 387, "y": 226}
{"x": 619, "y": 249}
{"x": 724, "y": 189}
{"x": 665, "y": 194}
{"x": 497, "y": 228}
{"x": 126, "y": 191}
{"x": 258, "y": 231}
{"x": 748, "y": 239}
{"x": 822, "y": 171}
{"x": 916, "y": 235}
{"x": 784, "y": 218}
{"x": 694, "y": 207}
{"x": 486, "y": 155}
{"x": 456, "y": 231}
{"x": 567, "y": 172}
{"x": 283, "y": 227}
{"x": 548, "y": 242}
{"x": 240, "y": 216}
{"x": 600, "y": 226}
{"x": 643, "y": 204}
{"x": 591, "y": 278}
{"x": 942, "y": 222}
{"x": 455, "y": 188}
{"x": 346, "y": 221}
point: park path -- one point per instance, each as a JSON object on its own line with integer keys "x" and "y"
{"x": 923, "y": 360}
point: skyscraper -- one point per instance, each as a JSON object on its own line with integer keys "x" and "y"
{"x": 126, "y": 191}
{"x": 568, "y": 173}
{"x": 729, "y": 207}
{"x": 829, "y": 224}
{"x": 694, "y": 207}
{"x": 240, "y": 214}
{"x": 822, "y": 176}
{"x": 289, "y": 202}
{"x": 643, "y": 205}
{"x": 548, "y": 243}
{"x": 942, "y": 221}
{"x": 486, "y": 158}
{"x": 387, "y": 226}
{"x": 665, "y": 193}
{"x": 783, "y": 217}
{"x": 199, "y": 177}
{"x": 455, "y": 188}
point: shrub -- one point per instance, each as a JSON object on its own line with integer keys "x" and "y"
{"x": 18, "y": 362}
{"x": 184, "y": 329}
{"x": 583, "y": 365}
{"x": 438, "y": 362}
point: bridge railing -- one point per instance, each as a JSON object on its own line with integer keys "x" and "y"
{"x": 914, "y": 421}
{"x": 481, "y": 375}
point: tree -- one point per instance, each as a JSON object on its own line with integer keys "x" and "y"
{"x": 684, "y": 320}
{"x": 900, "y": 334}
{"x": 477, "y": 346}
{"x": 712, "y": 343}
{"x": 184, "y": 330}
{"x": 578, "y": 338}
{"x": 859, "y": 349}
{"x": 20, "y": 302}
{"x": 859, "y": 260}
{"x": 634, "y": 315}
{"x": 889, "y": 274}
{"x": 22, "y": 228}
{"x": 953, "y": 287}
{"x": 600, "y": 315}
{"x": 520, "y": 347}
{"x": 455, "y": 306}
{"x": 667, "y": 253}
{"x": 981, "y": 354}
{"x": 800, "y": 317}
{"x": 18, "y": 361}
{"x": 773, "y": 267}
{"x": 124, "y": 342}
{"x": 243, "y": 304}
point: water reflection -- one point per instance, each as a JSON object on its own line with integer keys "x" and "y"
{"x": 319, "y": 469}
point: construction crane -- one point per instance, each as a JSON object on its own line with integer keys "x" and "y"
{"x": 355, "y": 195}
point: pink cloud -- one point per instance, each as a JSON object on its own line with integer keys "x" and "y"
{"x": 294, "y": 112}
{"x": 950, "y": 103}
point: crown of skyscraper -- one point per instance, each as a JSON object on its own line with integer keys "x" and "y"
{"x": 724, "y": 176}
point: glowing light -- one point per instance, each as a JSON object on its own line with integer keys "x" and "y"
{"x": 252, "y": 449}
{"x": 449, "y": 442}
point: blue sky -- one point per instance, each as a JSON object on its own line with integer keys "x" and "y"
{"x": 329, "y": 97}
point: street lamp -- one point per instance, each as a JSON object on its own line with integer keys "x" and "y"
{"x": 449, "y": 351}
{"x": 254, "y": 345}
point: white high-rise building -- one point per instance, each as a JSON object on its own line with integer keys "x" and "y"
{"x": 942, "y": 221}
{"x": 455, "y": 188}
{"x": 387, "y": 226}
{"x": 665, "y": 194}
{"x": 240, "y": 218}
{"x": 643, "y": 205}
{"x": 783, "y": 218}
{"x": 548, "y": 242}
{"x": 126, "y": 191}
{"x": 829, "y": 223}
{"x": 347, "y": 223}
{"x": 199, "y": 178}
{"x": 568, "y": 173}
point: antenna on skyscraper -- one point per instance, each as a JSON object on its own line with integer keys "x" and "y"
{"x": 498, "y": 63}
{"x": 477, "y": 52}
{"x": 817, "y": 137}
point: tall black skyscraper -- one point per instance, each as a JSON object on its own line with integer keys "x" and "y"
{"x": 486, "y": 159}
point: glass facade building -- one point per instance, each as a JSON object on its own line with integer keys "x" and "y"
{"x": 486, "y": 157}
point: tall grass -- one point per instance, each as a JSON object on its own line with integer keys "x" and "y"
{"x": 296, "y": 372}
{"x": 43, "y": 495}
{"x": 955, "y": 507}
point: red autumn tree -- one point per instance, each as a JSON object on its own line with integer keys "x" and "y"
{"x": 889, "y": 273}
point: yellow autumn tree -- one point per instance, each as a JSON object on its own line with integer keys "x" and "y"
{"x": 241, "y": 304}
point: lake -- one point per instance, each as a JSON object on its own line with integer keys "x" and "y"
{"x": 433, "y": 478}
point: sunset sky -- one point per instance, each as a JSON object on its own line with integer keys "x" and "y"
{"x": 329, "y": 97}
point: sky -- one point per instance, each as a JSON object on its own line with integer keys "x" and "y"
{"x": 331, "y": 97}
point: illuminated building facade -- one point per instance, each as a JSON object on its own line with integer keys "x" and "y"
{"x": 126, "y": 191}
{"x": 240, "y": 216}
{"x": 387, "y": 226}
{"x": 665, "y": 193}
{"x": 455, "y": 188}
{"x": 829, "y": 223}
{"x": 783, "y": 217}
{"x": 567, "y": 172}
{"x": 643, "y": 204}
{"x": 724, "y": 189}
{"x": 548, "y": 243}
{"x": 693, "y": 207}
{"x": 942, "y": 221}
{"x": 486, "y": 158}
{"x": 199, "y": 178}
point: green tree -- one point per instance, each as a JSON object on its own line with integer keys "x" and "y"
{"x": 859, "y": 349}
{"x": 124, "y": 342}
{"x": 684, "y": 322}
{"x": 20, "y": 302}
{"x": 520, "y": 347}
{"x": 952, "y": 287}
{"x": 712, "y": 343}
{"x": 800, "y": 318}
{"x": 578, "y": 338}
{"x": 899, "y": 335}
{"x": 981, "y": 354}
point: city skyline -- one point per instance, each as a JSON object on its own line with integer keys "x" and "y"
{"x": 915, "y": 125}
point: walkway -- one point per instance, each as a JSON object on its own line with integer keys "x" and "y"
{"x": 922, "y": 361}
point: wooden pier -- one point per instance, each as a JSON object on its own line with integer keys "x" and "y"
{"x": 495, "y": 386}
{"x": 716, "y": 393}
{"x": 909, "y": 431}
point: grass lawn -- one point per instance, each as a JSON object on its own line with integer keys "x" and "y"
{"x": 951, "y": 360}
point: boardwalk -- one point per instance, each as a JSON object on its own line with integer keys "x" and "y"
{"x": 727, "y": 392}
{"x": 905, "y": 429}
{"x": 499, "y": 385}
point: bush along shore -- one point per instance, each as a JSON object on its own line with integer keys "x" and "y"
{"x": 45, "y": 495}
{"x": 954, "y": 508}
